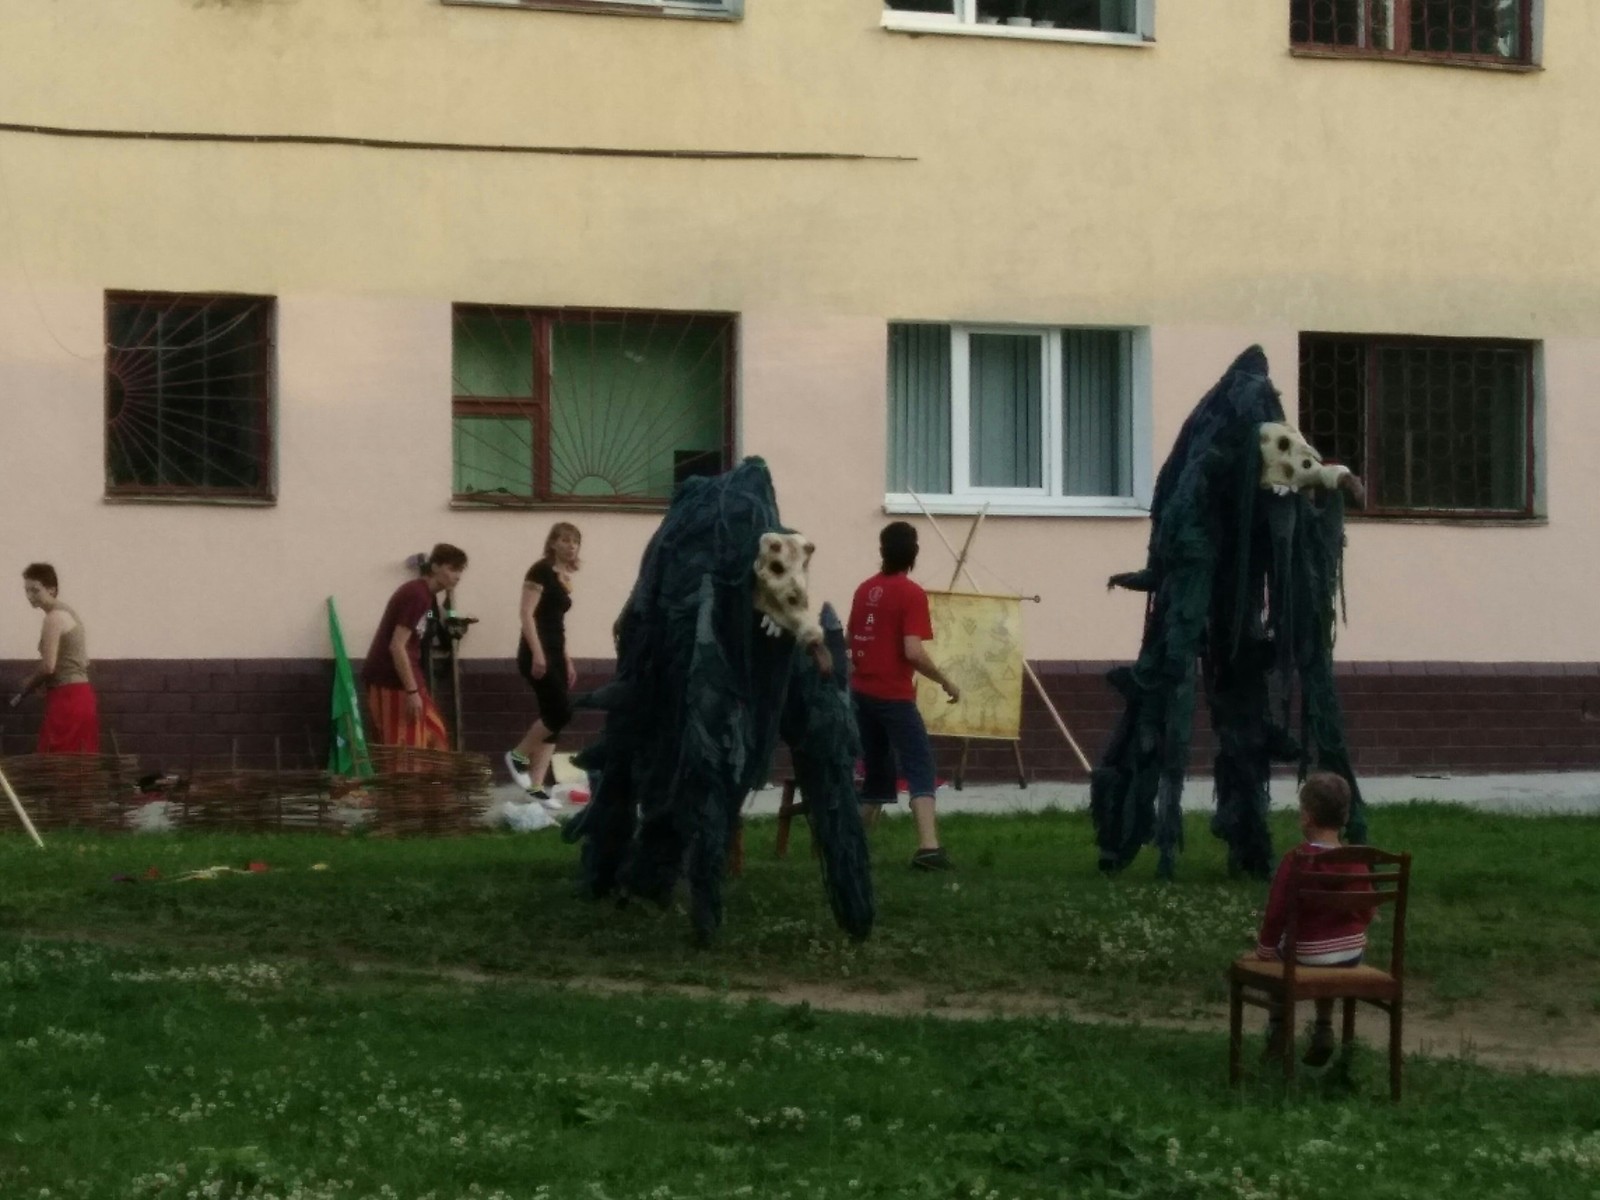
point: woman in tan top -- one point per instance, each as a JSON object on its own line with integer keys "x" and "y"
{"x": 71, "y": 722}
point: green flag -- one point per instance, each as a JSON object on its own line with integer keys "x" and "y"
{"x": 347, "y": 752}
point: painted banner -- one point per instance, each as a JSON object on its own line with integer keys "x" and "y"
{"x": 977, "y": 642}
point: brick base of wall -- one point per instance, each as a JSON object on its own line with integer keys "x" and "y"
{"x": 1401, "y": 717}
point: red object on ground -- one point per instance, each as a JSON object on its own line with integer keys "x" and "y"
{"x": 153, "y": 873}
{"x": 258, "y": 866}
{"x": 578, "y": 796}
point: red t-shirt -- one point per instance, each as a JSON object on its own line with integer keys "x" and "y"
{"x": 886, "y": 609}
{"x": 411, "y": 607}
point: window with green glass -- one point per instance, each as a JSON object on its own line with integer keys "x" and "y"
{"x": 588, "y": 406}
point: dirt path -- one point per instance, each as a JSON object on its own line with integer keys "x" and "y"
{"x": 1500, "y": 1036}
{"x": 1505, "y": 1039}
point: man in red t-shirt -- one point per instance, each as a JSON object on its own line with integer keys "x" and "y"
{"x": 888, "y": 624}
{"x": 403, "y": 712}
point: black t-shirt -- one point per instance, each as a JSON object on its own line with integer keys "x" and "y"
{"x": 549, "y": 615}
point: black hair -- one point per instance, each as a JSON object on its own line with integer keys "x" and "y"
{"x": 897, "y": 545}
{"x": 446, "y": 555}
{"x": 42, "y": 573}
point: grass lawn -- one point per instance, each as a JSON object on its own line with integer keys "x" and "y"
{"x": 173, "y": 1074}
{"x": 209, "y": 1038}
{"x": 1505, "y": 910}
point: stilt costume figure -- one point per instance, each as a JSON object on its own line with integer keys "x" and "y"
{"x": 718, "y": 657}
{"x": 1244, "y": 579}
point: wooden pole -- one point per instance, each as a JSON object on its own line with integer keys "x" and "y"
{"x": 1060, "y": 724}
{"x": 1049, "y": 704}
{"x": 22, "y": 813}
{"x": 961, "y": 559}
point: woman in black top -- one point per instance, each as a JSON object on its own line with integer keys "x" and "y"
{"x": 542, "y": 657}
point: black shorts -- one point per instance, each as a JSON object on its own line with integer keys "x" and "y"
{"x": 555, "y": 702}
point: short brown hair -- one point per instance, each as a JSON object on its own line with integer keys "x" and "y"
{"x": 446, "y": 555}
{"x": 42, "y": 573}
{"x": 1325, "y": 797}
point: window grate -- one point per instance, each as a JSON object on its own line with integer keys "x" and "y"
{"x": 589, "y": 407}
{"x": 1434, "y": 426}
{"x": 188, "y": 396}
{"x": 1466, "y": 30}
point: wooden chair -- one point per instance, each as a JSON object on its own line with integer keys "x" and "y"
{"x": 790, "y": 807}
{"x": 1262, "y": 983}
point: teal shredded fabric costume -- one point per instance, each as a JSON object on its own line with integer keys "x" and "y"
{"x": 701, "y": 696}
{"x": 1244, "y": 585}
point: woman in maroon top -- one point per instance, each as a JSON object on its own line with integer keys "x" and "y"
{"x": 403, "y": 710}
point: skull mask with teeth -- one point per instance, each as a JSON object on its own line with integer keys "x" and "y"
{"x": 782, "y": 593}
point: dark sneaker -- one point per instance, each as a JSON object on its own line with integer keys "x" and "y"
{"x": 932, "y": 860}
{"x": 1321, "y": 1049}
{"x": 1274, "y": 1047}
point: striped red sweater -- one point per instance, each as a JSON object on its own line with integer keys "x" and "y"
{"x": 1326, "y": 934}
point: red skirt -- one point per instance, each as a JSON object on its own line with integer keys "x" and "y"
{"x": 71, "y": 722}
{"x": 396, "y": 727}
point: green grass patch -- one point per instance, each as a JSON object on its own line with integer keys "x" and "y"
{"x": 160, "y": 1074}
{"x": 1505, "y": 910}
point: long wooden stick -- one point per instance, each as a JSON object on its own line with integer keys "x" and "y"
{"x": 1060, "y": 724}
{"x": 961, "y": 559}
{"x": 22, "y": 813}
{"x": 1027, "y": 668}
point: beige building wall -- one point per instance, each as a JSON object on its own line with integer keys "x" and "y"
{"x": 1209, "y": 187}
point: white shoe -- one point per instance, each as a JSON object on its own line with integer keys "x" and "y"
{"x": 518, "y": 766}
{"x": 554, "y": 805}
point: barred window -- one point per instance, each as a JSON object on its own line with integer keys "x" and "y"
{"x": 1468, "y": 30}
{"x": 1436, "y": 427}
{"x": 188, "y": 396}
{"x": 588, "y": 407}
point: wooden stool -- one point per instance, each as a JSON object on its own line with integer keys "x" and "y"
{"x": 788, "y": 809}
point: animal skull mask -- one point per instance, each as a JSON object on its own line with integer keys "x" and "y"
{"x": 782, "y": 587}
{"x": 1289, "y": 463}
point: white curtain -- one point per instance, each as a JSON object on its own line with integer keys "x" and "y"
{"x": 1096, "y": 412}
{"x": 919, "y": 408}
{"x": 1006, "y": 414}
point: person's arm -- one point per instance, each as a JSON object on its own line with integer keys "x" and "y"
{"x": 402, "y": 668}
{"x": 531, "y": 592}
{"x": 1276, "y": 918}
{"x": 49, "y": 652}
{"x": 917, "y": 655}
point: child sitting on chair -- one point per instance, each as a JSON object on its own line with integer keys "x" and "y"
{"x": 1327, "y": 936}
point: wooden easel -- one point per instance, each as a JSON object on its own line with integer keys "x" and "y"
{"x": 1033, "y": 678}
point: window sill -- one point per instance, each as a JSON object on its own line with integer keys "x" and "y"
{"x": 1470, "y": 522}
{"x": 614, "y": 8}
{"x": 213, "y": 501}
{"x": 1426, "y": 60}
{"x": 466, "y": 504}
{"x": 1116, "y": 508}
{"x": 898, "y": 22}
